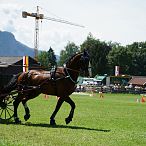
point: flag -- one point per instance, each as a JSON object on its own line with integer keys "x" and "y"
{"x": 25, "y": 63}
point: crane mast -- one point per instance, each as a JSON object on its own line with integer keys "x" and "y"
{"x": 36, "y": 35}
{"x": 37, "y": 17}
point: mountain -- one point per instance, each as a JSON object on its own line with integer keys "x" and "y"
{"x": 9, "y": 46}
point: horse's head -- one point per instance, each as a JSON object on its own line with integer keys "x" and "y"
{"x": 79, "y": 63}
{"x": 84, "y": 63}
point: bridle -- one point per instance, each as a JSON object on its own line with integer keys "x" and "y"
{"x": 83, "y": 60}
{"x": 72, "y": 69}
{"x": 69, "y": 76}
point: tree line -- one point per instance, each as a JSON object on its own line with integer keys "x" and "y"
{"x": 104, "y": 56}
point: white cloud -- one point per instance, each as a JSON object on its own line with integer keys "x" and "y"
{"x": 120, "y": 21}
{"x": 10, "y": 26}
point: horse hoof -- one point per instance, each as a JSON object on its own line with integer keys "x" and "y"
{"x": 52, "y": 122}
{"x": 68, "y": 120}
{"x": 17, "y": 121}
{"x": 26, "y": 117}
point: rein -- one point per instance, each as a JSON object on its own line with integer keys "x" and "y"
{"x": 72, "y": 69}
{"x": 68, "y": 75}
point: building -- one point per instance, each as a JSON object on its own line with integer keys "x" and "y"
{"x": 118, "y": 80}
{"x": 138, "y": 81}
{"x": 10, "y": 66}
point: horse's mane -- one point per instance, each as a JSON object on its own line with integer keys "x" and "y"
{"x": 72, "y": 57}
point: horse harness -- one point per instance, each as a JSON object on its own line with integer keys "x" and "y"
{"x": 24, "y": 88}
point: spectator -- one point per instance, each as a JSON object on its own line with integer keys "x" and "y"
{"x": 101, "y": 93}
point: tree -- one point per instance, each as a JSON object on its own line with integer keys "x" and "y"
{"x": 131, "y": 58}
{"x": 119, "y": 56}
{"x": 70, "y": 49}
{"x": 47, "y": 59}
{"x": 98, "y": 52}
{"x": 51, "y": 59}
{"x": 137, "y": 51}
{"x": 43, "y": 59}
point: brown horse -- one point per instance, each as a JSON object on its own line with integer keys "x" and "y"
{"x": 61, "y": 82}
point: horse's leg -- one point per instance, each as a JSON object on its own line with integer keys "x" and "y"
{"x": 59, "y": 103}
{"x": 72, "y": 104}
{"x": 27, "y": 111}
{"x": 16, "y": 104}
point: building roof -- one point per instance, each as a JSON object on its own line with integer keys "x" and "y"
{"x": 99, "y": 78}
{"x": 7, "y": 60}
{"x": 138, "y": 80}
{"x": 80, "y": 80}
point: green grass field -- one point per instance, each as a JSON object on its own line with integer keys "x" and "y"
{"x": 116, "y": 120}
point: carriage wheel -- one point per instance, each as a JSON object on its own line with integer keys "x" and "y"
{"x": 6, "y": 108}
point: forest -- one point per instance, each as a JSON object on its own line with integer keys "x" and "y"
{"x": 104, "y": 56}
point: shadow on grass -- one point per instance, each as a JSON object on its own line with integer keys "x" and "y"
{"x": 56, "y": 126}
{"x": 65, "y": 126}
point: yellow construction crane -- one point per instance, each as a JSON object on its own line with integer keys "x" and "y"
{"x": 37, "y": 17}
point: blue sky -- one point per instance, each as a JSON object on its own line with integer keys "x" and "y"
{"x": 122, "y": 21}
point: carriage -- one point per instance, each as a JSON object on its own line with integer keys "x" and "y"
{"x": 61, "y": 82}
{"x": 6, "y": 105}
{"x": 6, "y": 102}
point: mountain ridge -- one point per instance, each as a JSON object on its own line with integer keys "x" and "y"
{"x": 9, "y": 46}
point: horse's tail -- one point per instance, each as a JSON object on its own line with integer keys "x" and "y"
{"x": 12, "y": 85}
